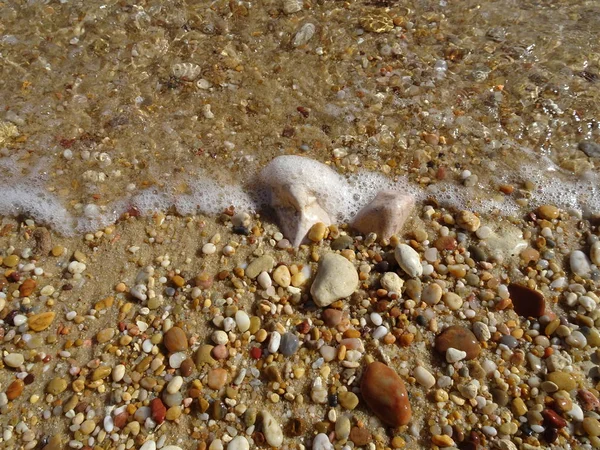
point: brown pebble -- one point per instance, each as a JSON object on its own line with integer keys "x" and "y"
{"x": 55, "y": 443}
{"x": 589, "y": 402}
{"x": 360, "y": 436}
{"x": 120, "y": 420}
{"x": 158, "y": 410}
{"x": 27, "y": 288}
{"x": 332, "y": 317}
{"x": 460, "y": 338}
{"x": 15, "y": 389}
{"x": 175, "y": 340}
{"x": 527, "y": 302}
{"x": 217, "y": 378}
{"x": 39, "y": 322}
{"x": 385, "y": 394}
{"x": 187, "y": 367}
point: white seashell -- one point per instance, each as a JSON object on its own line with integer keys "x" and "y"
{"x": 186, "y": 71}
{"x": 304, "y": 35}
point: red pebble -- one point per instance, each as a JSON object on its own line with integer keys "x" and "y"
{"x": 158, "y": 410}
{"x": 553, "y": 419}
{"x": 255, "y": 352}
{"x": 121, "y": 420}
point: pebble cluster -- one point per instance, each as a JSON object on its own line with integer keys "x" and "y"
{"x": 450, "y": 336}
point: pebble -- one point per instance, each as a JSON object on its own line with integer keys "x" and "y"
{"x": 317, "y": 232}
{"x": 385, "y": 215}
{"x": 342, "y": 427}
{"x": 262, "y": 264}
{"x": 595, "y": 253}
{"x": 432, "y": 294}
{"x": 385, "y": 394}
{"x": 274, "y": 342}
{"x": 39, "y": 322}
{"x": 14, "y": 360}
{"x": 409, "y": 260}
{"x": 591, "y": 426}
{"x": 321, "y": 442}
{"x": 553, "y": 419}
{"x": 453, "y": 355}
{"x": 336, "y": 278}
{"x": 289, "y": 344}
{"x": 348, "y": 400}
{"x": 175, "y": 384}
{"x": 175, "y": 340}
{"x": 118, "y": 373}
{"x": 148, "y": 445}
{"x": 452, "y": 301}
{"x": 332, "y": 317}
{"x": 282, "y": 276}
{"x": 342, "y": 242}
{"x": 238, "y": 443}
{"x": 56, "y": 386}
{"x": 548, "y": 212}
{"x": 468, "y": 221}
{"x": 527, "y": 302}
{"x": 481, "y": 331}
{"x": 563, "y": 380}
{"x": 360, "y": 436}
{"x": 424, "y": 377}
{"x": 264, "y": 280}
{"x": 579, "y": 263}
{"x": 391, "y": 282}
{"x": 219, "y": 337}
{"x": 15, "y": 389}
{"x": 304, "y": 35}
{"x": 242, "y": 321}
{"x": 216, "y": 378}
{"x": 272, "y": 430}
{"x": 459, "y": 338}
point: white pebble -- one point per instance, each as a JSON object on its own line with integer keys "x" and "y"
{"x": 424, "y": 377}
{"x": 238, "y": 443}
{"x": 14, "y": 360}
{"x": 219, "y": 337}
{"x": 579, "y": 263}
{"x": 380, "y": 332}
{"x": 454, "y": 355}
{"x": 409, "y": 260}
{"x": 595, "y": 253}
{"x": 264, "y": 280}
{"x": 576, "y": 339}
{"x": 209, "y": 249}
{"x": 242, "y": 321}
{"x": 176, "y": 359}
{"x": 483, "y": 232}
{"x": 19, "y": 320}
{"x": 148, "y": 445}
{"x": 576, "y": 413}
{"x": 118, "y": 372}
{"x": 175, "y": 384}
{"x": 321, "y": 442}
{"x": 147, "y": 346}
{"x": 376, "y": 319}
{"x": 274, "y": 342}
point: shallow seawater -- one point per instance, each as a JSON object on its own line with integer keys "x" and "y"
{"x": 104, "y": 100}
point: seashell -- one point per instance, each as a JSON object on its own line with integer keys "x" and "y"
{"x": 186, "y": 71}
{"x": 304, "y": 35}
{"x": 292, "y": 6}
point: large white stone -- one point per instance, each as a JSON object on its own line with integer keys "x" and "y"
{"x": 272, "y": 430}
{"x": 409, "y": 260}
{"x": 336, "y": 278}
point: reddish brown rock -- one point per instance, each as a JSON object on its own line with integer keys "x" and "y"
{"x": 27, "y": 288}
{"x": 527, "y": 302}
{"x": 187, "y": 367}
{"x": 460, "y": 338}
{"x": 553, "y": 419}
{"x": 121, "y": 420}
{"x": 589, "y": 402}
{"x": 158, "y": 410}
{"x": 385, "y": 215}
{"x": 385, "y": 394}
{"x": 15, "y": 389}
{"x": 217, "y": 378}
{"x": 175, "y": 340}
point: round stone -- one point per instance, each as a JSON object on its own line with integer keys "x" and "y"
{"x": 14, "y": 360}
{"x": 385, "y": 394}
{"x": 289, "y": 344}
{"x": 459, "y": 338}
{"x": 432, "y": 294}
{"x": 332, "y": 317}
{"x": 238, "y": 443}
{"x": 527, "y": 302}
{"x": 348, "y": 400}
{"x": 175, "y": 340}
{"x": 56, "y": 386}
{"x": 591, "y": 426}
{"x": 563, "y": 380}
{"x": 242, "y": 321}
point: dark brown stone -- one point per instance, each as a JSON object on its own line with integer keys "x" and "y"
{"x": 527, "y": 302}
{"x": 460, "y": 338}
{"x": 187, "y": 367}
{"x": 332, "y": 317}
{"x": 385, "y": 394}
{"x": 553, "y": 420}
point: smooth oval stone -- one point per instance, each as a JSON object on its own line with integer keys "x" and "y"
{"x": 527, "y": 302}
{"x": 385, "y": 394}
{"x": 175, "y": 340}
{"x": 460, "y": 338}
{"x": 289, "y": 344}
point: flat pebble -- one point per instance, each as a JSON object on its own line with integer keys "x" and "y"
{"x": 459, "y": 338}
{"x": 336, "y": 278}
{"x": 289, "y": 344}
{"x": 579, "y": 263}
{"x": 14, "y": 360}
{"x": 272, "y": 430}
{"x": 175, "y": 340}
{"x": 385, "y": 394}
